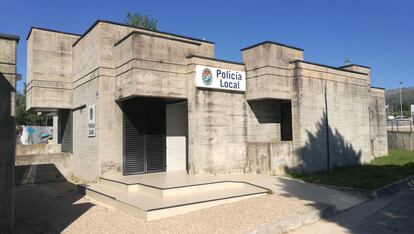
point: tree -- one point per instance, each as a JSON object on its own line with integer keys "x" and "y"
{"x": 141, "y": 20}
{"x": 24, "y": 117}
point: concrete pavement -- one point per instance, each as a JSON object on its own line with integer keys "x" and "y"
{"x": 393, "y": 214}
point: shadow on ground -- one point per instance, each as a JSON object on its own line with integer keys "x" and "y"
{"x": 47, "y": 208}
{"x": 328, "y": 143}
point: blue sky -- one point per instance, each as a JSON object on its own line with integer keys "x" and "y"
{"x": 378, "y": 33}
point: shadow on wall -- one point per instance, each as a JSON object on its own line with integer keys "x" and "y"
{"x": 326, "y": 147}
{"x": 266, "y": 111}
{"x": 39, "y": 173}
{"x": 7, "y": 152}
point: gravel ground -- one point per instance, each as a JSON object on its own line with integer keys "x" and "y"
{"x": 57, "y": 207}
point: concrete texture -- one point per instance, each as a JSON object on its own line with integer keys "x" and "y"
{"x": 378, "y": 116}
{"x": 42, "y": 168}
{"x": 276, "y": 184}
{"x": 216, "y": 125}
{"x": 49, "y": 69}
{"x": 392, "y": 214}
{"x": 400, "y": 140}
{"x": 38, "y": 149}
{"x": 293, "y": 116}
{"x": 57, "y": 207}
{"x": 8, "y": 45}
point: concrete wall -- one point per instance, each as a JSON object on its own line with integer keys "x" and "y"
{"x": 378, "y": 118}
{"x": 268, "y": 74}
{"x": 269, "y": 158}
{"x": 8, "y": 45}
{"x": 401, "y": 140}
{"x": 38, "y": 149}
{"x": 100, "y": 77}
{"x": 217, "y": 125}
{"x": 42, "y": 168}
{"x": 152, "y": 66}
{"x": 228, "y": 131}
{"x": 49, "y": 69}
{"x": 322, "y": 124}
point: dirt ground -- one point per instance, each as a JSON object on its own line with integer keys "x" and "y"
{"x": 58, "y": 207}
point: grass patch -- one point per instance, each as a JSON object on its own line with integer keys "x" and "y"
{"x": 381, "y": 171}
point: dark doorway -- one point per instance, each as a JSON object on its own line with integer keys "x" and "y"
{"x": 144, "y": 133}
{"x": 65, "y": 126}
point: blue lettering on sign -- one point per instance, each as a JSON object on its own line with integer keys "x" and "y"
{"x": 228, "y": 75}
{"x": 230, "y": 84}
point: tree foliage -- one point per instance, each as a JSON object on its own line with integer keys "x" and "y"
{"x": 141, "y": 20}
{"x": 393, "y": 100}
{"x": 24, "y": 117}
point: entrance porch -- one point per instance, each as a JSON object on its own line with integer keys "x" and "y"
{"x": 159, "y": 195}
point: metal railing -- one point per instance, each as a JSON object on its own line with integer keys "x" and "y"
{"x": 400, "y": 125}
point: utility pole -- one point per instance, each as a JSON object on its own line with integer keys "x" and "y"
{"x": 401, "y": 101}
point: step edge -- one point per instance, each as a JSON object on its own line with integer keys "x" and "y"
{"x": 185, "y": 186}
{"x": 174, "y": 206}
{"x": 205, "y": 201}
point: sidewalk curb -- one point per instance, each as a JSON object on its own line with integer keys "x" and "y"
{"x": 282, "y": 226}
{"x": 392, "y": 188}
{"x": 383, "y": 191}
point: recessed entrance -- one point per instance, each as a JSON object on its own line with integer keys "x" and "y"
{"x": 150, "y": 125}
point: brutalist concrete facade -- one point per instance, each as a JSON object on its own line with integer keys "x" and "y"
{"x": 294, "y": 115}
{"x": 8, "y": 77}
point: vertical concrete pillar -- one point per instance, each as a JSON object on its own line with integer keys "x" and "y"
{"x": 8, "y": 45}
{"x": 55, "y": 129}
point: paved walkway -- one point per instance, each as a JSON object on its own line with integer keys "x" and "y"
{"x": 394, "y": 214}
{"x": 57, "y": 207}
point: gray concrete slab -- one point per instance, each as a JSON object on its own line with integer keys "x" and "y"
{"x": 393, "y": 214}
{"x": 278, "y": 185}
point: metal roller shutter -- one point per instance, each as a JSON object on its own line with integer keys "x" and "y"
{"x": 134, "y": 151}
{"x": 144, "y": 133}
{"x": 155, "y": 138}
{"x": 66, "y": 130}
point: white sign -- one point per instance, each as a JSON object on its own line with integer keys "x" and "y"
{"x": 217, "y": 78}
{"x": 412, "y": 109}
{"x": 91, "y": 121}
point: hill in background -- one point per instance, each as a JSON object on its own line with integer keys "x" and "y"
{"x": 392, "y": 99}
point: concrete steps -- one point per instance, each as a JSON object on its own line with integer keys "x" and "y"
{"x": 150, "y": 202}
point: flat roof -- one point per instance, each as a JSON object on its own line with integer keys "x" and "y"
{"x": 375, "y": 87}
{"x": 327, "y": 66}
{"x": 214, "y": 59}
{"x": 10, "y": 37}
{"x": 159, "y": 36}
{"x": 274, "y": 43}
{"x": 50, "y": 30}
{"x": 357, "y": 65}
{"x": 145, "y": 29}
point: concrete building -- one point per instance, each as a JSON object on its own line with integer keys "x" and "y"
{"x": 8, "y": 77}
{"x": 128, "y": 100}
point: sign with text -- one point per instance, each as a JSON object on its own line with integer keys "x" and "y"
{"x": 217, "y": 78}
{"x": 91, "y": 121}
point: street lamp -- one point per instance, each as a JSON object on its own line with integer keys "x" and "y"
{"x": 401, "y": 115}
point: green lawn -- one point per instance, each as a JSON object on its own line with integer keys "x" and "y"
{"x": 382, "y": 171}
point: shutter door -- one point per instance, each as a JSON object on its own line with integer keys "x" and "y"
{"x": 155, "y": 138}
{"x": 144, "y": 132}
{"x": 66, "y": 130}
{"x": 134, "y": 143}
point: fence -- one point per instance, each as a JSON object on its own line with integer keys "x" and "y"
{"x": 401, "y": 140}
{"x": 400, "y": 125}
